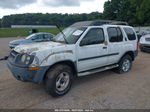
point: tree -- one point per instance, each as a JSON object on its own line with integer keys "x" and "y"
{"x": 62, "y": 20}
{"x": 0, "y": 23}
{"x": 143, "y": 12}
{"x": 135, "y": 12}
{"x": 108, "y": 12}
{"x": 6, "y": 21}
{"x": 116, "y": 10}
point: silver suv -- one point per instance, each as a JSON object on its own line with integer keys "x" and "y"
{"x": 78, "y": 50}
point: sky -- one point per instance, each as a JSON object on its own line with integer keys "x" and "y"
{"x": 8, "y": 7}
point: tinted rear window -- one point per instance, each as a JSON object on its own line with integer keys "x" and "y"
{"x": 130, "y": 33}
{"x": 115, "y": 34}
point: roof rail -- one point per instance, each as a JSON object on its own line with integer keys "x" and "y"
{"x": 98, "y": 23}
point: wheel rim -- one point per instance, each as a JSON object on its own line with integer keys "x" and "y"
{"x": 62, "y": 81}
{"x": 126, "y": 65}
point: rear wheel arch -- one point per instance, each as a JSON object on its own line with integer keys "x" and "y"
{"x": 130, "y": 53}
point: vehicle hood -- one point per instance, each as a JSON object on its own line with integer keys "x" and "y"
{"x": 29, "y": 48}
{"x": 19, "y": 41}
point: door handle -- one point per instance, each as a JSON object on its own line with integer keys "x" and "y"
{"x": 104, "y": 47}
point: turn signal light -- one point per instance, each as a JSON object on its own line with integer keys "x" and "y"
{"x": 33, "y": 68}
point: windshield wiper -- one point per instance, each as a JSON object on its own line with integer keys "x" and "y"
{"x": 64, "y": 36}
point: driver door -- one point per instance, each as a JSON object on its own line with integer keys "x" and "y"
{"x": 92, "y": 50}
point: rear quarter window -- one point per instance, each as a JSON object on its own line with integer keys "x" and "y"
{"x": 130, "y": 33}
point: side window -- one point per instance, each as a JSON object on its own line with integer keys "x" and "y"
{"x": 115, "y": 34}
{"x": 46, "y": 37}
{"x": 130, "y": 33}
{"x": 94, "y": 36}
{"x": 40, "y": 37}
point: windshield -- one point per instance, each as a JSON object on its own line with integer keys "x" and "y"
{"x": 31, "y": 36}
{"x": 72, "y": 34}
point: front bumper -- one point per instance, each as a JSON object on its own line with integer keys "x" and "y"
{"x": 25, "y": 75}
{"x": 145, "y": 47}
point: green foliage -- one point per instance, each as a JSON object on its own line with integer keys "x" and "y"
{"x": 0, "y": 23}
{"x": 108, "y": 12}
{"x": 15, "y": 32}
{"x": 143, "y": 12}
{"x": 62, "y": 20}
{"x": 135, "y": 12}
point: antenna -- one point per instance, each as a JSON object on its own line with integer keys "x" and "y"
{"x": 64, "y": 36}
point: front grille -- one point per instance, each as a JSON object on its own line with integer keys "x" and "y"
{"x": 13, "y": 54}
{"x": 147, "y": 39}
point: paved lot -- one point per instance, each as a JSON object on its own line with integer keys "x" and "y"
{"x": 102, "y": 90}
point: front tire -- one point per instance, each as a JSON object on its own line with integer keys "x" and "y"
{"x": 125, "y": 64}
{"x": 58, "y": 80}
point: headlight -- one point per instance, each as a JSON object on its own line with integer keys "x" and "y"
{"x": 26, "y": 59}
{"x": 23, "y": 58}
{"x": 142, "y": 40}
{"x": 36, "y": 60}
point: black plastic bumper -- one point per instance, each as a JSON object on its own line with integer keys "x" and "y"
{"x": 145, "y": 48}
{"x": 25, "y": 75}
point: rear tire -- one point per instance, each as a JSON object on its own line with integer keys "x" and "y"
{"x": 125, "y": 64}
{"x": 58, "y": 80}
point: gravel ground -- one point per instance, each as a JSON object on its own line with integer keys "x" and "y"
{"x": 105, "y": 90}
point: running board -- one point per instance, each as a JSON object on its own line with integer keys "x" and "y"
{"x": 97, "y": 70}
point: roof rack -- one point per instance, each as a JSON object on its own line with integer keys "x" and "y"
{"x": 98, "y": 23}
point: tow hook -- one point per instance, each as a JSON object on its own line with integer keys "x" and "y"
{"x": 4, "y": 58}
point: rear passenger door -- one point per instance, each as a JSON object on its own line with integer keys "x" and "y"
{"x": 115, "y": 44}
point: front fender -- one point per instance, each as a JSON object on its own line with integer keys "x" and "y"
{"x": 53, "y": 58}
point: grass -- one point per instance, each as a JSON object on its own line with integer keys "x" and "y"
{"x": 15, "y": 32}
